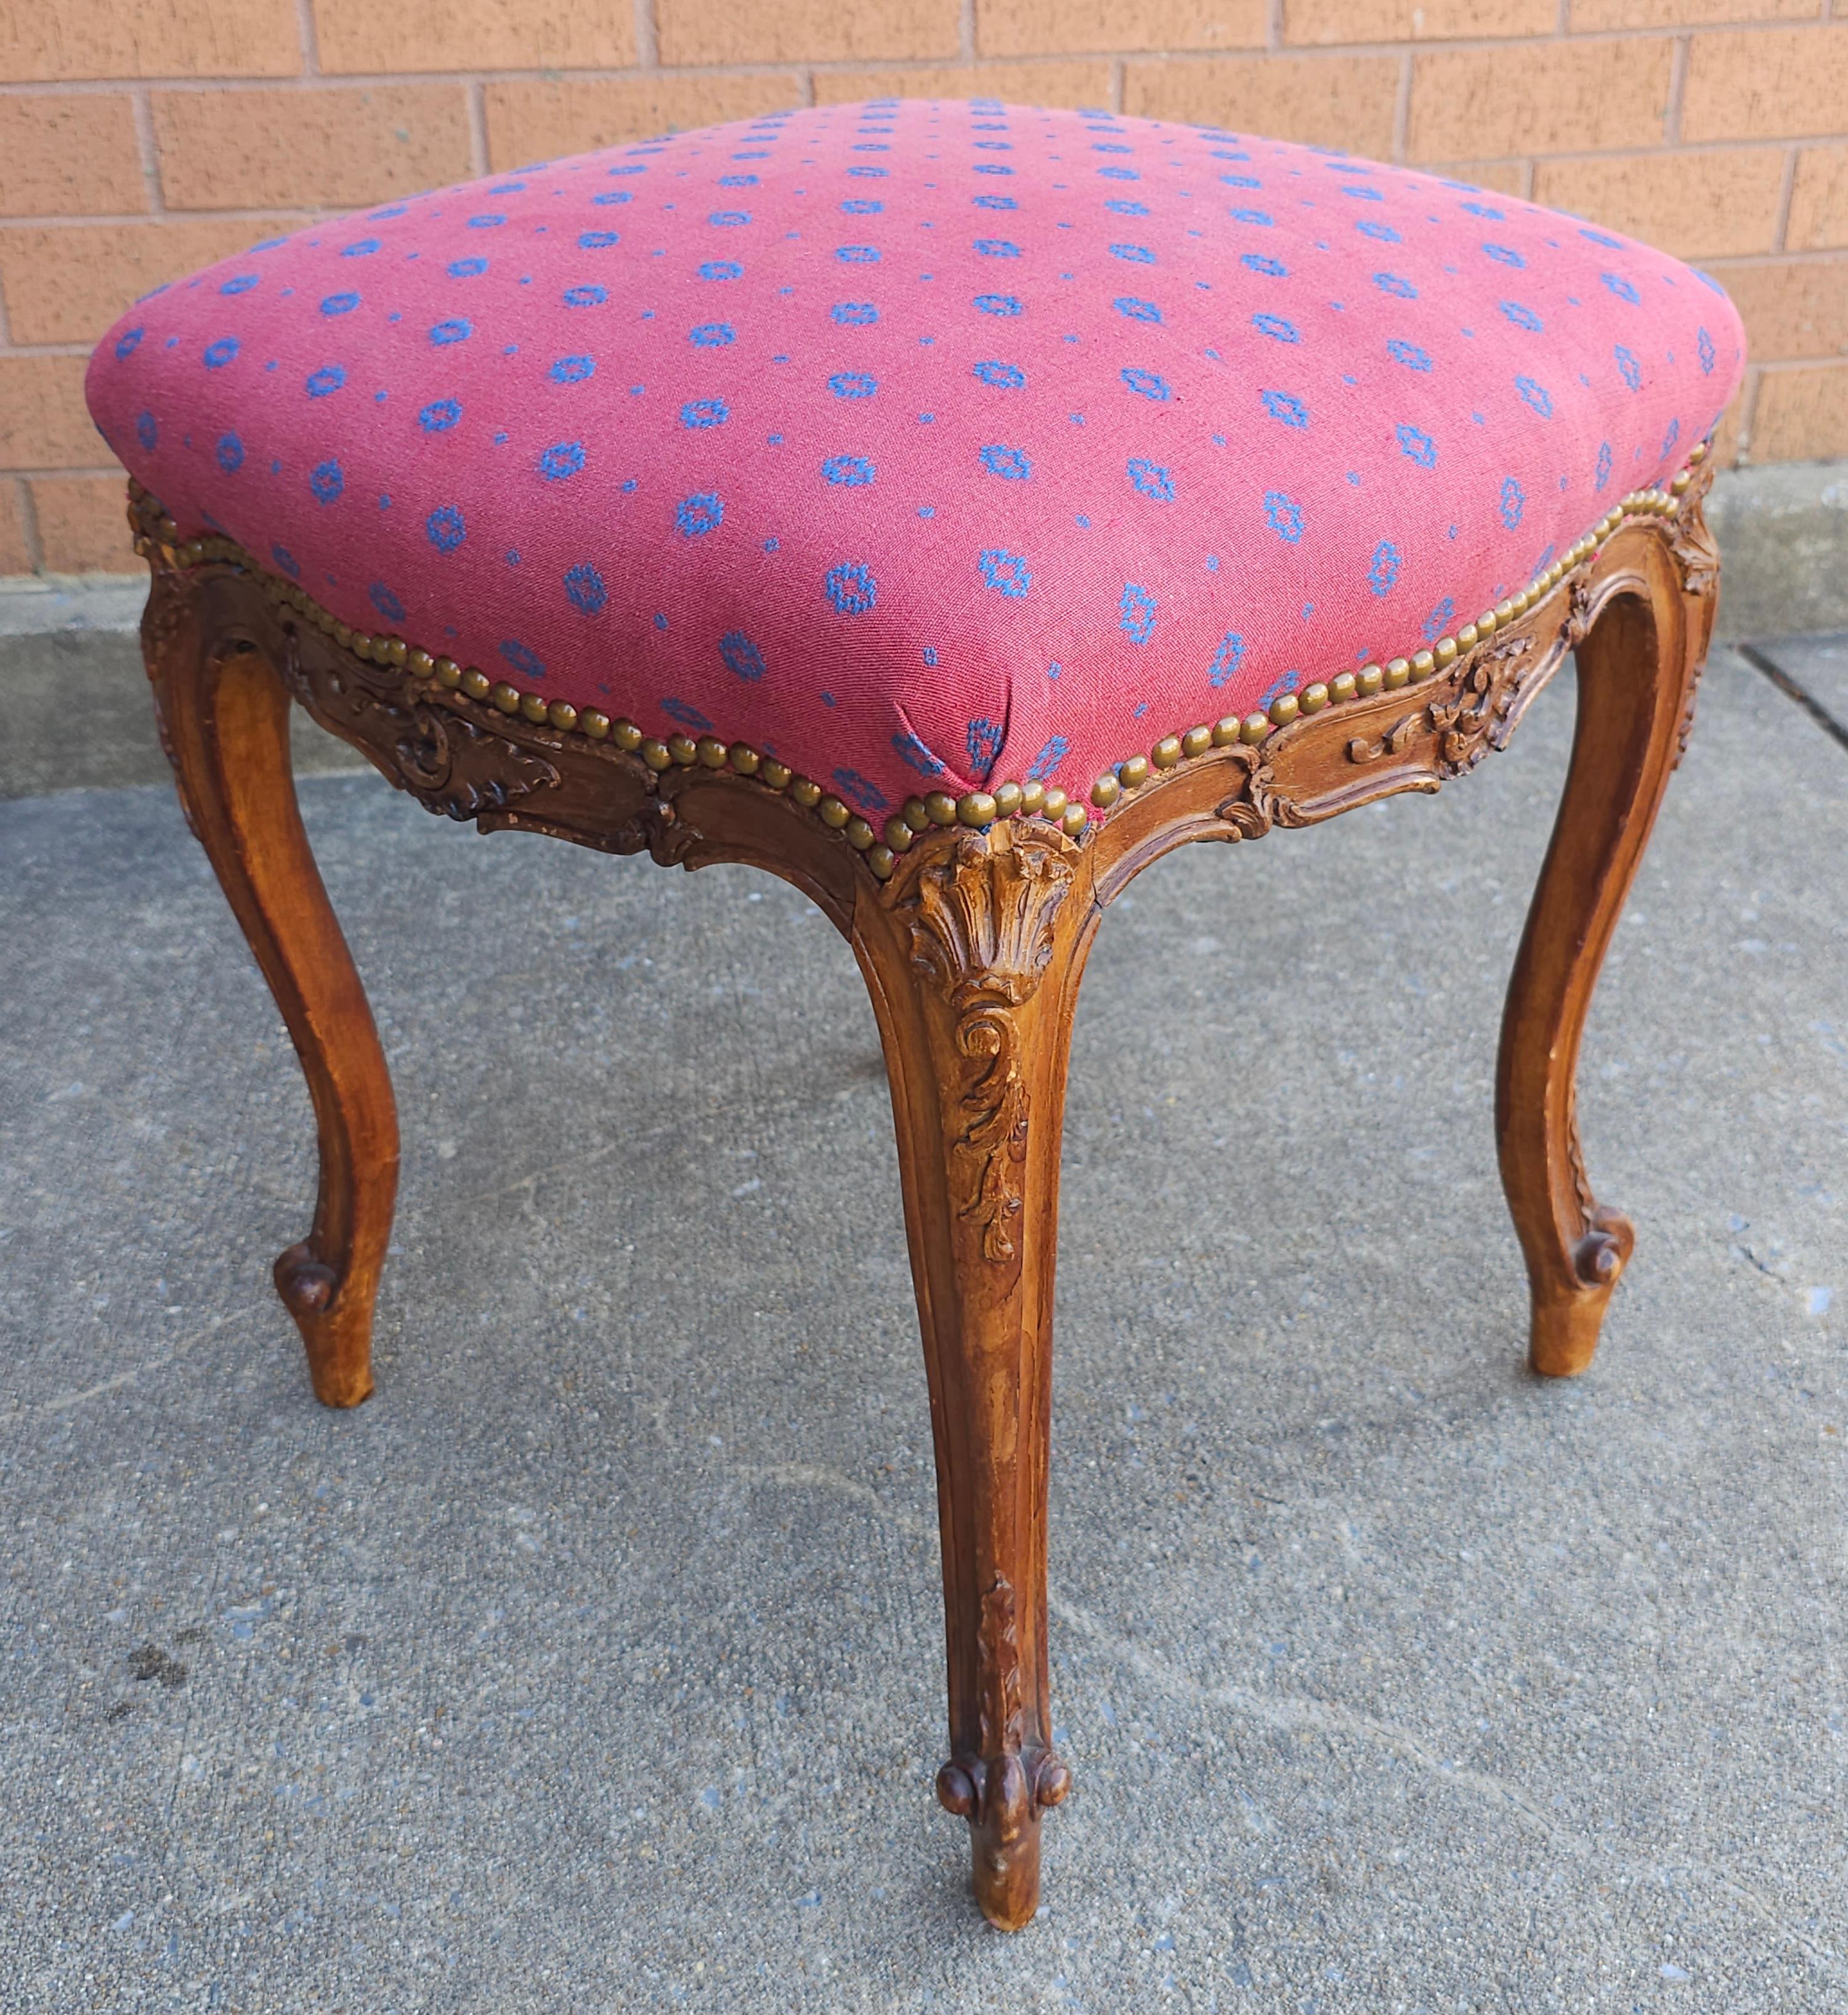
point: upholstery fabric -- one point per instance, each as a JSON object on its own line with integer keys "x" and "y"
{"x": 922, "y": 445}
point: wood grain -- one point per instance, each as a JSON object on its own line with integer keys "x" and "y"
{"x": 224, "y": 716}
{"x": 1638, "y": 664}
{"x": 972, "y": 952}
{"x": 973, "y": 967}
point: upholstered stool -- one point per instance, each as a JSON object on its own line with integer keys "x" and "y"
{"x": 950, "y": 509}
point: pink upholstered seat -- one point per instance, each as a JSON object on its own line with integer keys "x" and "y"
{"x": 923, "y": 446}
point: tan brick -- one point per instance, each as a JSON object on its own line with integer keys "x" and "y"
{"x": 15, "y": 556}
{"x": 1507, "y": 177}
{"x": 1590, "y": 15}
{"x": 1131, "y": 27}
{"x": 1783, "y": 82}
{"x": 1791, "y": 308}
{"x": 57, "y": 39}
{"x": 69, "y": 154}
{"x": 1819, "y": 200}
{"x": 83, "y": 527}
{"x": 359, "y": 35}
{"x": 340, "y": 145}
{"x": 1054, "y": 82}
{"x": 1326, "y": 101}
{"x": 724, "y": 31}
{"x": 44, "y": 423}
{"x": 1697, "y": 206}
{"x": 1802, "y": 415}
{"x": 538, "y": 121}
{"x": 67, "y": 282}
{"x": 1548, "y": 99}
{"x": 1327, "y": 21}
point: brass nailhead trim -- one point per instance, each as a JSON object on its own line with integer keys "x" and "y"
{"x": 1373, "y": 679}
{"x": 1033, "y": 799}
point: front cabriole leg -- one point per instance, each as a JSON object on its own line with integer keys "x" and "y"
{"x": 223, "y": 715}
{"x": 973, "y": 955}
{"x": 1638, "y": 665}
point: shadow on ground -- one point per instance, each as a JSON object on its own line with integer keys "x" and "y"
{"x": 594, "y": 1665}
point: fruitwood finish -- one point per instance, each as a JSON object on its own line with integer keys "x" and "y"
{"x": 973, "y": 945}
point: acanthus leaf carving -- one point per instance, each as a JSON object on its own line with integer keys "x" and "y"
{"x": 457, "y": 765}
{"x": 1007, "y": 1795}
{"x": 1470, "y": 714}
{"x": 1481, "y": 712}
{"x": 446, "y": 758}
{"x": 660, "y": 831}
{"x": 1394, "y": 741}
{"x": 1003, "y": 1718}
{"x": 1692, "y": 545}
{"x": 981, "y": 927}
{"x": 1256, "y": 805}
{"x": 1688, "y": 699}
{"x": 999, "y": 1789}
{"x": 162, "y": 621}
{"x": 163, "y": 616}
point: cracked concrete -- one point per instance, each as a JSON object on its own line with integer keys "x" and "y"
{"x": 594, "y": 1665}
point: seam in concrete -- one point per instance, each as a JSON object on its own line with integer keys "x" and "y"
{"x": 1793, "y": 689}
{"x": 62, "y": 1403}
{"x": 1297, "y": 1712}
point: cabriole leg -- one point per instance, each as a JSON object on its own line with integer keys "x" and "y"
{"x": 973, "y": 969}
{"x": 224, "y": 716}
{"x": 1636, "y": 673}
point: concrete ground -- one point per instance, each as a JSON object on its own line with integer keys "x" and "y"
{"x": 594, "y": 1665}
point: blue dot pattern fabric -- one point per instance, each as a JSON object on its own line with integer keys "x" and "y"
{"x": 921, "y": 444}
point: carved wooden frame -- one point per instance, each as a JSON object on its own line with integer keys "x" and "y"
{"x": 972, "y": 942}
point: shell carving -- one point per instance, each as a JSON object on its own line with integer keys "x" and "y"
{"x": 981, "y": 927}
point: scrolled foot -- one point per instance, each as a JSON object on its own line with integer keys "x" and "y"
{"x": 1602, "y": 1255}
{"x": 217, "y": 658}
{"x": 1054, "y": 1784}
{"x": 1002, "y": 1799}
{"x": 306, "y": 1284}
{"x": 337, "y": 1330}
{"x": 1637, "y": 666}
{"x": 1567, "y": 1321}
{"x": 956, "y": 1792}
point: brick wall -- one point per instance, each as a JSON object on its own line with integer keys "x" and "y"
{"x": 139, "y": 138}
